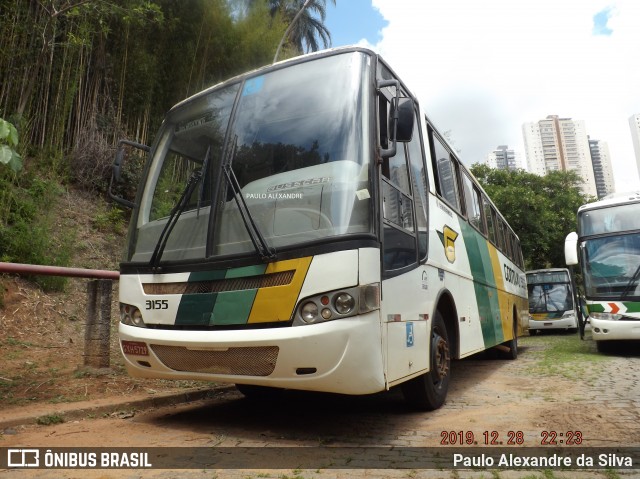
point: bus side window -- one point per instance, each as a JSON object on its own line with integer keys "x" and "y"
{"x": 472, "y": 203}
{"x": 490, "y": 220}
{"x": 447, "y": 181}
{"x": 419, "y": 186}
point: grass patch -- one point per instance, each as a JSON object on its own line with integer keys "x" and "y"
{"x": 50, "y": 419}
{"x": 566, "y": 355}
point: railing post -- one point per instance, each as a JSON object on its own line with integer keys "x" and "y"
{"x": 97, "y": 336}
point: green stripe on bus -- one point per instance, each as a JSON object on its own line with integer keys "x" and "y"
{"x": 234, "y": 307}
{"x": 197, "y": 309}
{"x": 632, "y": 306}
{"x": 483, "y": 281}
{"x": 545, "y": 316}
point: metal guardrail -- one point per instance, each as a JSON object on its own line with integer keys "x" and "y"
{"x": 39, "y": 270}
{"x": 97, "y": 335}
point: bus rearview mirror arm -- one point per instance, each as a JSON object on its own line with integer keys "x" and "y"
{"x": 116, "y": 173}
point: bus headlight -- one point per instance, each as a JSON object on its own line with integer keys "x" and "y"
{"x": 606, "y": 316}
{"x": 131, "y": 316}
{"x": 309, "y": 312}
{"x": 344, "y": 303}
{"x": 338, "y": 304}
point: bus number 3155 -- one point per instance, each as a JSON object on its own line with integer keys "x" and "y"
{"x": 157, "y": 304}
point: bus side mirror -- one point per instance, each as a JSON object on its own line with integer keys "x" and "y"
{"x": 405, "y": 116}
{"x": 401, "y": 118}
{"x": 571, "y": 249}
{"x": 118, "y": 163}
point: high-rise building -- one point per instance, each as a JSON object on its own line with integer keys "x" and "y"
{"x": 504, "y": 158}
{"x": 634, "y": 124}
{"x": 559, "y": 144}
{"x": 602, "y": 171}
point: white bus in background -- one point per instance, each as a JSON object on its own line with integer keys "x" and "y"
{"x": 304, "y": 226}
{"x": 607, "y": 247}
{"x": 551, "y": 300}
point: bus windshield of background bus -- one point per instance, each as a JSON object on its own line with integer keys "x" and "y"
{"x": 549, "y": 293}
{"x": 612, "y": 258}
{"x": 610, "y": 264}
{"x": 297, "y": 143}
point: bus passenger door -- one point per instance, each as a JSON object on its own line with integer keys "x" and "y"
{"x": 403, "y": 189}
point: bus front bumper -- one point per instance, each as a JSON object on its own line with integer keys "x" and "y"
{"x": 604, "y": 330}
{"x": 562, "y": 323}
{"x": 341, "y": 356}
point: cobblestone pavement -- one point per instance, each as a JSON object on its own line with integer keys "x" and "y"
{"x": 527, "y": 401}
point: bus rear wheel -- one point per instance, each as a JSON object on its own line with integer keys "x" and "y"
{"x": 429, "y": 391}
{"x": 512, "y": 345}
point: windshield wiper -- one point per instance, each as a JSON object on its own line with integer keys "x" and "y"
{"x": 631, "y": 283}
{"x": 177, "y": 210}
{"x": 257, "y": 238}
{"x": 205, "y": 165}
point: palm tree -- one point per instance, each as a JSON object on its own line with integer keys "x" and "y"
{"x": 309, "y": 29}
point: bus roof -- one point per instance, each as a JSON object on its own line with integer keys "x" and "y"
{"x": 612, "y": 200}
{"x": 547, "y": 270}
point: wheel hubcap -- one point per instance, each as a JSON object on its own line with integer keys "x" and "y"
{"x": 441, "y": 357}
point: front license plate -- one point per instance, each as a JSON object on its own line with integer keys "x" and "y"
{"x": 135, "y": 348}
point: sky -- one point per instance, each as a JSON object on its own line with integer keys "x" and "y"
{"x": 483, "y": 69}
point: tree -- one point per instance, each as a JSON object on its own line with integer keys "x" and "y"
{"x": 309, "y": 30}
{"x": 541, "y": 209}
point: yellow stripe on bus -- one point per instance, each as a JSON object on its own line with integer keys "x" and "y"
{"x": 503, "y": 296}
{"x": 276, "y": 303}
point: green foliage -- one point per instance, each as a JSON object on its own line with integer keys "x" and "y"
{"x": 26, "y": 226}
{"x": 8, "y": 143}
{"x": 50, "y": 419}
{"x": 112, "y": 220}
{"x": 541, "y": 209}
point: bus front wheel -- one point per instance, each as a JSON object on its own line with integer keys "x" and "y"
{"x": 429, "y": 391}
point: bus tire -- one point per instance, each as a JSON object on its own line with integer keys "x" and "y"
{"x": 429, "y": 391}
{"x": 604, "y": 346}
{"x": 512, "y": 344}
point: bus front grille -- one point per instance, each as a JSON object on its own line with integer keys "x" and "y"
{"x": 281, "y": 278}
{"x": 243, "y": 361}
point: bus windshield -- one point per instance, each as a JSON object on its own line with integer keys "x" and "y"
{"x": 613, "y": 266}
{"x": 294, "y": 142}
{"x": 549, "y": 292}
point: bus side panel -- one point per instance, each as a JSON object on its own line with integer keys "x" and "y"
{"x": 453, "y": 262}
{"x": 405, "y": 308}
{"x": 482, "y": 264}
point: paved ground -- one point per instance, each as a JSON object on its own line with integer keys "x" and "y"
{"x": 534, "y": 397}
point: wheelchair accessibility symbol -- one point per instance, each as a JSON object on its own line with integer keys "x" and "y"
{"x": 409, "y": 335}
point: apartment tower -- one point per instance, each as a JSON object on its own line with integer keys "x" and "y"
{"x": 560, "y": 144}
{"x": 602, "y": 171}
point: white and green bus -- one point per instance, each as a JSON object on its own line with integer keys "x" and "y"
{"x": 607, "y": 247}
{"x": 304, "y": 226}
{"x": 552, "y": 302}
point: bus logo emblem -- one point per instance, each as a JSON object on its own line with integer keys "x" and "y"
{"x": 448, "y": 238}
